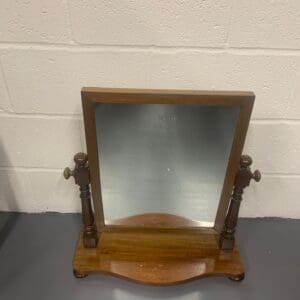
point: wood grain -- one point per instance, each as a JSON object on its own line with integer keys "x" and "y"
{"x": 157, "y": 256}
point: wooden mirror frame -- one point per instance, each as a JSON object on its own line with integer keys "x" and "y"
{"x": 177, "y": 251}
{"x": 93, "y": 96}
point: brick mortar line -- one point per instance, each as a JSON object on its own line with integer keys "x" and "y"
{"x": 79, "y": 117}
{"x": 282, "y": 175}
{"x": 148, "y": 48}
{"x": 31, "y": 169}
{"x": 7, "y": 114}
{"x": 229, "y": 26}
{"x": 69, "y": 19}
{"x": 60, "y": 170}
{"x": 6, "y": 88}
{"x": 267, "y": 121}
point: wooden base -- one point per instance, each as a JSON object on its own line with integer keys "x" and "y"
{"x": 158, "y": 257}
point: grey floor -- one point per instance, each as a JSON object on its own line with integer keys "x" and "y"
{"x": 36, "y": 253}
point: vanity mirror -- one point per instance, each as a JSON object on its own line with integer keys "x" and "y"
{"x": 167, "y": 175}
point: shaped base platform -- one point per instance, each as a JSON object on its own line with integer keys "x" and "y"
{"x": 158, "y": 256}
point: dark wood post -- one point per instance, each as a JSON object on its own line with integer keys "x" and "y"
{"x": 81, "y": 174}
{"x": 242, "y": 180}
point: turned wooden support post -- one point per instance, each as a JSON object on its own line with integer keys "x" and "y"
{"x": 242, "y": 180}
{"x": 81, "y": 174}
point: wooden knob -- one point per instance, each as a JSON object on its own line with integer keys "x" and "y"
{"x": 256, "y": 176}
{"x": 81, "y": 158}
{"x": 68, "y": 173}
{"x": 246, "y": 161}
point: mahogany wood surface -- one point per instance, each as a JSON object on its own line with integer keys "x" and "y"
{"x": 81, "y": 175}
{"x": 157, "y": 256}
{"x": 242, "y": 180}
{"x": 156, "y": 220}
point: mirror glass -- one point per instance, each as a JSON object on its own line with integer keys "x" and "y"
{"x": 163, "y": 158}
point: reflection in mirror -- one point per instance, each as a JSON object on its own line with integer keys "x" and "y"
{"x": 163, "y": 158}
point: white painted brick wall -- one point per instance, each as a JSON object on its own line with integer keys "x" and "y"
{"x": 41, "y": 21}
{"x": 265, "y": 24}
{"x": 168, "y": 23}
{"x": 50, "y": 49}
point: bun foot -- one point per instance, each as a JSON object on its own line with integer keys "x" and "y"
{"x": 237, "y": 277}
{"x": 79, "y": 275}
